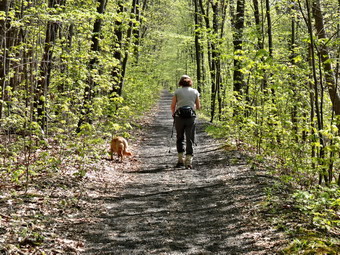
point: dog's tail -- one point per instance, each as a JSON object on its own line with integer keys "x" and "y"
{"x": 125, "y": 151}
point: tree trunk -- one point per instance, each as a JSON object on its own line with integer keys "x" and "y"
{"x": 41, "y": 89}
{"x": 205, "y": 16}
{"x": 214, "y": 72}
{"x": 316, "y": 89}
{"x": 3, "y": 57}
{"x": 117, "y": 71}
{"x": 198, "y": 47}
{"x": 269, "y": 24}
{"x": 337, "y": 70}
{"x": 220, "y": 88}
{"x": 137, "y": 30}
{"x": 324, "y": 54}
{"x": 238, "y": 37}
{"x": 9, "y": 37}
{"x": 219, "y": 14}
{"x": 258, "y": 25}
{"x": 89, "y": 90}
{"x": 328, "y": 70}
{"x": 211, "y": 50}
{"x": 292, "y": 56}
{"x": 129, "y": 41}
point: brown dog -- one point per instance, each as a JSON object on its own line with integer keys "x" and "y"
{"x": 119, "y": 145}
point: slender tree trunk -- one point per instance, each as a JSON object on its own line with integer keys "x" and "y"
{"x": 258, "y": 25}
{"x": 41, "y": 90}
{"x": 214, "y": 72}
{"x": 137, "y": 30}
{"x": 218, "y": 11}
{"x": 3, "y": 57}
{"x": 312, "y": 116}
{"x": 89, "y": 89}
{"x": 270, "y": 42}
{"x": 10, "y": 36}
{"x": 328, "y": 70}
{"x": 220, "y": 88}
{"x": 270, "y": 33}
{"x": 121, "y": 53}
{"x": 237, "y": 41}
{"x": 129, "y": 41}
{"x": 292, "y": 56}
{"x": 324, "y": 54}
{"x": 261, "y": 37}
{"x": 45, "y": 73}
{"x": 315, "y": 87}
{"x": 337, "y": 70}
{"x": 211, "y": 50}
{"x": 117, "y": 71}
{"x": 198, "y": 48}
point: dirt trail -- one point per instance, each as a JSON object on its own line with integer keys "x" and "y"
{"x": 206, "y": 210}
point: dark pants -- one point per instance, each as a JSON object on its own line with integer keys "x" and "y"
{"x": 185, "y": 126}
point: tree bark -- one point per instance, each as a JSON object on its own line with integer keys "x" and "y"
{"x": 137, "y": 30}
{"x": 324, "y": 54}
{"x": 238, "y": 38}
{"x": 118, "y": 55}
{"x": 41, "y": 89}
{"x": 218, "y": 10}
{"x": 292, "y": 56}
{"x": 260, "y": 44}
{"x": 10, "y": 36}
{"x": 3, "y": 57}
{"x": 89, "y": 89}
{"x": 198, "y": 47}
{"x": 328, "y": 71}
{"x": 214, "y": 72}
{"x": 316, "y": 90}
{"x": 129, "y": 41}
{"x": 270, "y": 33}
{"x": 258, "y": 25}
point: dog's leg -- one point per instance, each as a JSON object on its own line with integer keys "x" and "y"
{"x": 111, "y": 155}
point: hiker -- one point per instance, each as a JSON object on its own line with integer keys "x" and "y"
{"x": 184, "y": 103}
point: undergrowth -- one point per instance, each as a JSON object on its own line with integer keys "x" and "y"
{"x": 43, "y": 173}
{"x": 308, "y": 214}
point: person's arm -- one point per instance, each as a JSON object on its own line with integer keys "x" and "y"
{"x": 198, "y": 103}
{"x": 173, "y": 105}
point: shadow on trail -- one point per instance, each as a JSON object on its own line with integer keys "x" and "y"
{"x": 205, "y": 210}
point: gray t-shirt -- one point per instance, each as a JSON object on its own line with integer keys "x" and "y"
{"x": 186, "y": 96}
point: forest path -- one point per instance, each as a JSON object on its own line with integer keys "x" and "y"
{"x": 209, "y": 209}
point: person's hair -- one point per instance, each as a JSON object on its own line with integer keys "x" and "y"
{"x": 185, "y": 81}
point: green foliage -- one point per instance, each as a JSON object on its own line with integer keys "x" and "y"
{"x": 310, "y": 243}
{"x": 321, "y": 205}
{"x": 217, "y": 131}
{"x": 26, "y": 149}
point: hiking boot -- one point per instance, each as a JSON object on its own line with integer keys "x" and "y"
{"x": 188, "y": 161}
{"x": 180, "y": 161}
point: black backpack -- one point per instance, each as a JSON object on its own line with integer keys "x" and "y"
{"x": 185, "y": 112}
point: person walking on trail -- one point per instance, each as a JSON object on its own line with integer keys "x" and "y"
{"x": 184, "y": 103}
